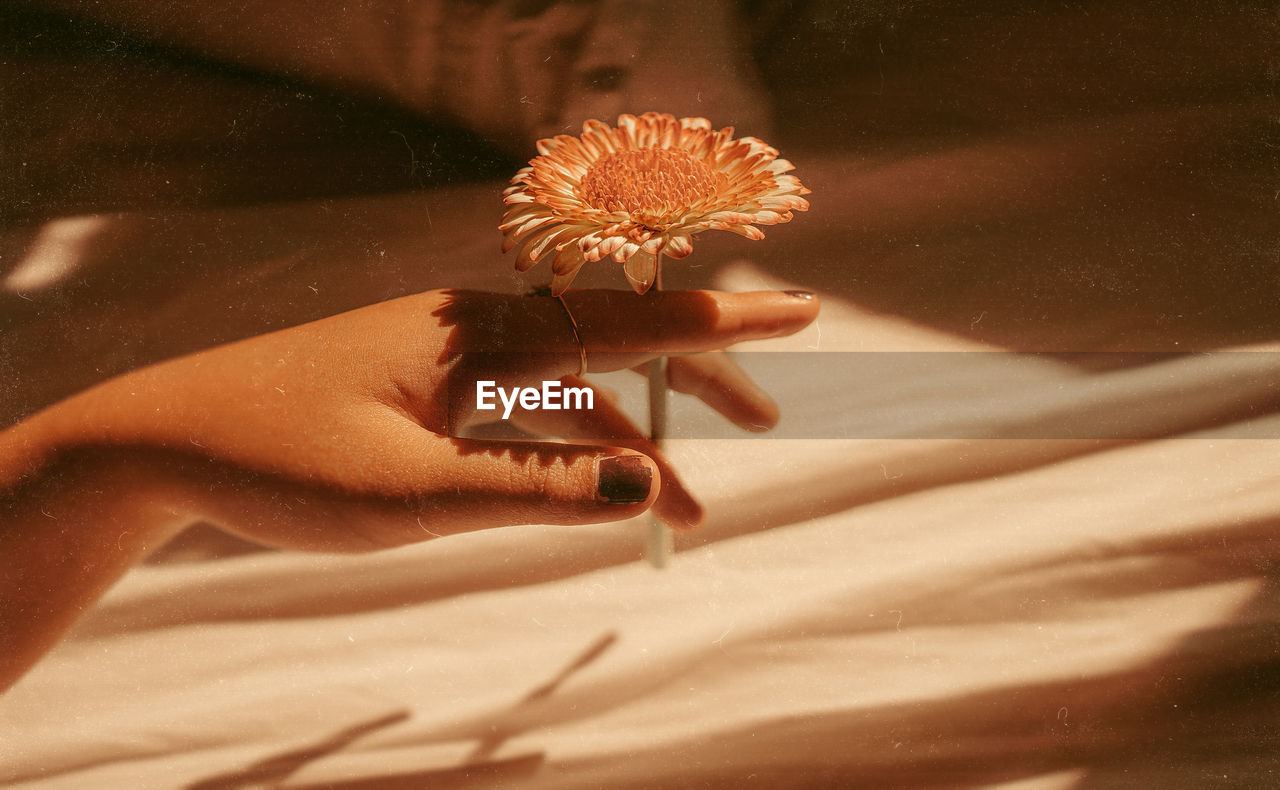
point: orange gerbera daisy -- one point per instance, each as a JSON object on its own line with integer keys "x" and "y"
{"x": 641, "y": 191}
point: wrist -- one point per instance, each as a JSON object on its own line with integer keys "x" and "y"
{"x": 68, "y": 529}
{"x": 99, "y": 489}
{"x": 24, "y": 450}
{"x": 59, "y": 455}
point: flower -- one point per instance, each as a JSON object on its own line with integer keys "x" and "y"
{"x": 640, "y": 191}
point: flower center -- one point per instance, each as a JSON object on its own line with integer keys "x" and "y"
{"x": 651, "y": 182}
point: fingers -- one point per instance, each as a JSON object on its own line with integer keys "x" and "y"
{"x": 716, "y": 380}
{"x": 606, "y": 423}
{"x": 441, "y": 487}
{"x": 619, "y": 329}
{"x": 671, "y": 322}
{"x": 492, "y": 484}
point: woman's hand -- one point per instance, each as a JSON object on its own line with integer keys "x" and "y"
{"x": 349, "y": 434}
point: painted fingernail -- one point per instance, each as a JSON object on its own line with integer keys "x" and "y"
{"x": 800, "y": 294}
{"x": 623, "y": 479}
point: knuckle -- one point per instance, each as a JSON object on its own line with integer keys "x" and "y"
{"x": 537, "y": 479}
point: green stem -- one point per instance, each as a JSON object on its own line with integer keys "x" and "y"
{"x": 658, "y": 546}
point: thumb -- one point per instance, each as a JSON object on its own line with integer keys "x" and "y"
{"x": 491, "y": 483}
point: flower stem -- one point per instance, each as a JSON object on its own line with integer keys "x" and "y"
{"x": 658, "y": 546}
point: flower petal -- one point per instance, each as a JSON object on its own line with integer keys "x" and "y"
{"x": 534, "y": 246}
{"x": 627, "y": 125}
{"x": 731, "y": 217}
{"x": 605, "y": 247}
{"x": 788, "y": 202}
{"x": 549, "y": 239}
{"x": 523, "y": 224}
{"x": 568, "y": 259}
{"x": 560, "y": 282}
{"x": 519, "y": 215}
{"x": 624, "y": 253}
{"x": 524, "y": 263}
{"x": 770, "y": 217}
{"x": 678, "y": 247}
{"x": 641, "y": 270}
{"x": 653, "y": 245}
{"x": 780, "y": 166}
{"x": 750, "y": 231}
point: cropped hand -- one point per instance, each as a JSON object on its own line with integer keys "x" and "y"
{"x": 349, "y": 433}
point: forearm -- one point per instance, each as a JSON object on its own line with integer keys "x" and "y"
{"x": 71, "y": 523}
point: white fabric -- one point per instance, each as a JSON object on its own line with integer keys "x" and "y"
{"x": 887, "y": 612}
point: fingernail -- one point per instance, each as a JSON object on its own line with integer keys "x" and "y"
{"x": 800, "y": 294}
{"x": 623, "y": 479}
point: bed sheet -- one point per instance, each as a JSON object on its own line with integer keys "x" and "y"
{"x": 908, "y": 612}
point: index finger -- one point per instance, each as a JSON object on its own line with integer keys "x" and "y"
{"x": 673, "y": 322}
{"x": 620, "y": 329}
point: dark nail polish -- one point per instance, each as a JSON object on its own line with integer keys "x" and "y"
{"x": 800, "y": 294}
{"x": 623, "y": 480}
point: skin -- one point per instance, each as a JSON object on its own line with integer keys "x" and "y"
{"x": 347, "y": 434}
